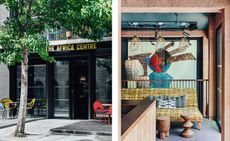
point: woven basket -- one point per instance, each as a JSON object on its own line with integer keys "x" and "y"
{"x": 133, "y": 69}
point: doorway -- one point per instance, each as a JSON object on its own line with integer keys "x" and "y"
{"x": 80, "y": 88}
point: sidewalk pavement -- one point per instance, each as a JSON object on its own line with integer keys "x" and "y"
{"x": 13, "y": 121}
{"x": 40, "y": 131}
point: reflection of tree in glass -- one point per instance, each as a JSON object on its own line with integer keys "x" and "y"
{"x": 105, "y": 63}
{"x": 38, "y": 83}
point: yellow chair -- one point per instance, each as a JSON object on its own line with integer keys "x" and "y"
{"x": 31, "y": 104}
{"x": 8, "y": 103}
{"x": 9, "y": 106}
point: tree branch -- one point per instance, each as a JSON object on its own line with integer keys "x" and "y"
{"x": 29, "y": 10}
{"x": 28, "y": 13}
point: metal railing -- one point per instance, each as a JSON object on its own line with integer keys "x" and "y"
{"x": 201, "y": 85}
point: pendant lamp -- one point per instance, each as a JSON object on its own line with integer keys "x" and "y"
{"x": 135, "y": 42}
{"x": 184, "y": 44}
{"x": 160, "y": 43}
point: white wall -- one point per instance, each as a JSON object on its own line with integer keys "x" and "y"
{"x": 4, "y": 81}
{"x": 4, "y": 72}
{"x": 4, "y": 13}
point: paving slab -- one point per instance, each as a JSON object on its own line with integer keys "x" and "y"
{"x": 85, "y": 127}
{"x": 40, "y": 131}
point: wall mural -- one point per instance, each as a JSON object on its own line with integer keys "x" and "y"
{"x": 158, "y": 60}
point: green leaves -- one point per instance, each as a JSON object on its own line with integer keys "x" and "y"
{"x": 37, "y": 43}
{"x": 10, "y": 48}
{"x": 97, "y": 18}
{"x": 90, "y": 19}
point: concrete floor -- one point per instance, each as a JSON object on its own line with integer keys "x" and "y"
{"x": 40, "y": 131}
{"x": 209, "y": 132}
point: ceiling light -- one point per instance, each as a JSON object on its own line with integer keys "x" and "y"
{"x": 160, "y": 43}
{"x": 192, "y": 26}
{"x": 184, "y": 44}
{"x": 135, "y": 43}
{"x": 135, "y": 24}
{"x": 160, "y": 23}
{"x": 183, "y": 24}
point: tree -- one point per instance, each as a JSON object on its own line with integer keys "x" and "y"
{"x": 22, "y": 33}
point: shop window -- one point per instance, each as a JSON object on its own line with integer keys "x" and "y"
{"x": 36, "y": 87}
{"x": 61, "y": 89}
{"x": 104, "y": 79}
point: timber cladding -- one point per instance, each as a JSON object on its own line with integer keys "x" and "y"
{"x": 174, "y": 3}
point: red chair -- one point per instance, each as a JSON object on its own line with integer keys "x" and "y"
{"x": 98, "y": 108}
{"x": 109, "y": 113}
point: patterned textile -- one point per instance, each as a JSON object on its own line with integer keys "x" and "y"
{"x": 142, "y": 93}
{"x": 190, "y": 94}
{"x": 165, "y": 103}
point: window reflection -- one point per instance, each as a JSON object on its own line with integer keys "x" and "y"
{"x": 61, "y": 89}
{"x": 36, "y": 87}
{"x": 104, "y": 79}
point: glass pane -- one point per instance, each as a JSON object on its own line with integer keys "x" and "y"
{"x": 36, "y": 87}
{"x": 104, "y": 79}
{"x": 81, "y": 88}
{"x": 219, "y": 74}
{"x": 61, "y": 89}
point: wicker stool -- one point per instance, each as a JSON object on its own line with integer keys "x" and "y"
{"x": 163, "y": 126}
{"x": 187, "y": 132}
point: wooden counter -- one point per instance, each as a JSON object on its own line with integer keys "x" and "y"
{"x": 139, "y": 124}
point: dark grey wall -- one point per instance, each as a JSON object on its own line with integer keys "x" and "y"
{"x": 124, "y": 55}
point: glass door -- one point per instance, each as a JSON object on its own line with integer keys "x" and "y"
{"x": 219, "y": 74}
{"x": 80, "y": 88}
{"x": 61, "y": 89}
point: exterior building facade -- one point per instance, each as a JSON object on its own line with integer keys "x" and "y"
{"x": 67, "y": 88}
{"x": 4, "y": 72}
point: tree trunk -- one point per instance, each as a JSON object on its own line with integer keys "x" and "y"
{"x": 20, "y": 129}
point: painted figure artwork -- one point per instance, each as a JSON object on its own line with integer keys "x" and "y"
{"x": 160, "y": 61}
